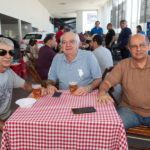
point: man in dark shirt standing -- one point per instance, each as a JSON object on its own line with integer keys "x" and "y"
{"x": 45, "y": 56}
{"x": 123, "y": 39}
{"x": 110, "y": 37}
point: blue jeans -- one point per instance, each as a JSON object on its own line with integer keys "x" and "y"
{"x": 132, "y": 119}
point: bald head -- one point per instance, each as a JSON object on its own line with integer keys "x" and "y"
{"x": 138, "y": 47}
{"x": 138, "y": 37}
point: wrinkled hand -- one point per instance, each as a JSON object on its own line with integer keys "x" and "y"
{"x": 1, "y": 125}
{"x": 81, "y": 91}
{"x": 104, "y": 98}
{"x": 43, "y": 91}
{"x": 51, "y": 90}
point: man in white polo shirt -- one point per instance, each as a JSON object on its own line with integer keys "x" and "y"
{"x": 74, "y": 65}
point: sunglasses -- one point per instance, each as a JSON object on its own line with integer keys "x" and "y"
{"x": 3, "y": 52}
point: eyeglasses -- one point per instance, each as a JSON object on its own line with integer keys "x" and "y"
{"x": 3, "y": 52}
{"x": 141, "y": 46}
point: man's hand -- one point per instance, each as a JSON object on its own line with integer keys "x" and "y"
{"x": 43, "y": 91}
{"x": 1, "y": 125}
{"x": 51, "y": 90}
{"x": 81, "y": 91}
{"x": 104, "y": 98}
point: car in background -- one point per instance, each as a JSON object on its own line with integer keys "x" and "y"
{"x": 39, "y": 36}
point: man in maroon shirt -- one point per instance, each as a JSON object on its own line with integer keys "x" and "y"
{"x": 46, "y": 55}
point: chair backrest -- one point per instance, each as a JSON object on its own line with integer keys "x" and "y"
{"x": 31, "y": 57}
{"x": 107, "y": 70}
{"x": 35, "y": 74}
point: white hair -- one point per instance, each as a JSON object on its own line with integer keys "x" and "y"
{"x": 77, "y": 39}
{"x": 7, "y": 42}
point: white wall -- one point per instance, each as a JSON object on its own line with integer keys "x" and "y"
{"x": 104, "y": 14}
{"x": 29, "y": 11}
{"x": 79, "y": 22}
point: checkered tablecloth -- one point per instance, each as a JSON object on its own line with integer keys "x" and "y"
{"x": 50, "y": 124}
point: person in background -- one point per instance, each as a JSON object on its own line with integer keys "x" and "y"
{"x": 97, "y": 29}
{"x": 133, "y": 74}
{"x": 123, "y": 39}
{"x": 46, "y": 55}
{"x": 102, "y": 54}
{"x": 59, "y": 33}
{"x": 74, "y": 65}
{"x": 110, "y": 37}
{"x": 86, "y": 42}
{"x": 9, "y": 80}
{"x": 139, "y": 30}
{"x": 33, "y": 47}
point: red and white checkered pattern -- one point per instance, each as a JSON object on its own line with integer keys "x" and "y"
{"x": 50, "y": 124}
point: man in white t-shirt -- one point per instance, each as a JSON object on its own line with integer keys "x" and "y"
{"x": 102, "y": 54}
{"x": 9, "y": 80}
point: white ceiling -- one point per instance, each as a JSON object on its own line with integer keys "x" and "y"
{"x": 68, "y": 8}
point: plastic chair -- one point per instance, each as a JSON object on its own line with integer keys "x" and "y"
{"x": 31, "y": 58}
{"x": 34, "y": 73}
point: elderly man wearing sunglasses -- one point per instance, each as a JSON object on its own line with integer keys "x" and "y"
{"x": 9, "y": 80}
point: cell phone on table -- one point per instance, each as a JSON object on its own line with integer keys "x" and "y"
{"x": 57, "y": 94}
{"x": 83, "y": 110}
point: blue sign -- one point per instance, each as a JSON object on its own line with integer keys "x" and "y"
{"x": 148, "y": 29}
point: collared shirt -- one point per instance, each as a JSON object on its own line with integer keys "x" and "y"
{"x": 124, "y": 37}
{"x": 96, "y": 31}
{"x": 135, "y": 85}
{"x": 83, "y": 69}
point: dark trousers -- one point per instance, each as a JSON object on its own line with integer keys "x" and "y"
{"x": 124, "y": 53}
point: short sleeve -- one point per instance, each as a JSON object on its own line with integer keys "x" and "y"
{"x": 52, "y": 74}
{"x": 94, "y": 66}
{"x": 91, "y": 33}
{"x": 115, "y": 75}
{"x": 17, "y": 81}
{"x": 113, "y": 33}
{"x": 129, "y": 31}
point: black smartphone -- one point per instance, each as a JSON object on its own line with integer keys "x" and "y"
{"x": 57, "y": 94}
{"x": 83, "y": 110}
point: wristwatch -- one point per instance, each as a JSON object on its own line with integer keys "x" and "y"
{"x": 90, "y": 89}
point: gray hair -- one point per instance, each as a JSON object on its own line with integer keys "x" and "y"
{"x": 76, "y": 38}
{"x": 7, "y": 42}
